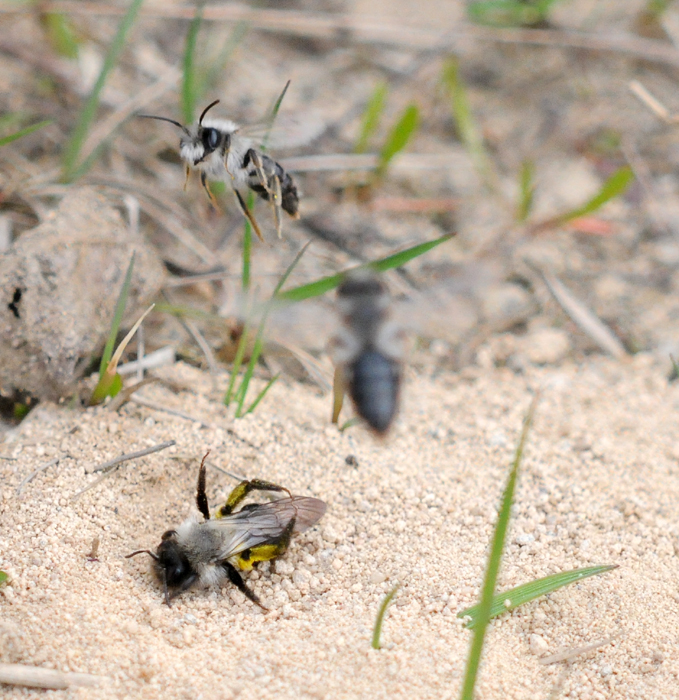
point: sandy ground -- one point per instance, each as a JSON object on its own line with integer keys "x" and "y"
{"x": 599, "y": 486}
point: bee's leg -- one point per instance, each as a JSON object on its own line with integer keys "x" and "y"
{"x": 248, "y": 215}
{"x": 242, "y": 490}
{"x": 201, "y": 496}
{"x": 276, "y": 203}
{"x": 188, "y": 173}
{"x": 253, "y": 157}
{"x": 274, "y": 548}
{"x": 206, "y": 187}
{"x": 238, "y": 582}
{"x": 337, "y": 394}
{"x": 184, "y": 587}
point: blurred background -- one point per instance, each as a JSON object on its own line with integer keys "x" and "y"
{"x": 540, "y": 134}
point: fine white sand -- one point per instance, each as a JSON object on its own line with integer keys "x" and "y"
{"x": 600, "y": 485}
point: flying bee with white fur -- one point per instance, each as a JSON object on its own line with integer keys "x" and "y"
{"x": 222, "y": 150}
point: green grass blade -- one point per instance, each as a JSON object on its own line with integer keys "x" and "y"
{"x": 509, "y": 13}
{"x": 615, "y": 186}
{"x": 675, "y": 368}
{"x": 327, "y": 284}
{"x": 526, "y": 190}
{"x": 237, "y": 362}
{"x": 377, "y": 629}
{"x": 24, "y": 132}
{"x": 494, "y": 559}
{"x": 217, "y": 66}
{"x": 262, "y": 393}
{"x": 259, "y": 340}
{"x": 89, "y": 110}
{"x": 371, "y": 117}
{"x": 503, "y": 602}
{"x": 60, "y": 33}
{"x": 117, "y": 318}
{"x": 247, "y": 247}
{"x": 468, "y": 131}
{"x": 189, "y": 93}
{"x": 3, "y": 577}
{"x": 398, "y": 138}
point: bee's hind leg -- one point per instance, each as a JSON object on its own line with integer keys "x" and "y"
{"x": 201, "y": 496}
{"x": 273, "y": 549}
{"x": 238, "y": 582}
{"x": 248, "y": 215}
{"x": 242, "y": 490}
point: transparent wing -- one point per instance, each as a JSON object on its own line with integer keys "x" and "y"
{"x": 288, "y": 131}
{"x": 253, "y": 526}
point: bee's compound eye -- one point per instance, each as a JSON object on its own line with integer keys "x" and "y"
{"x": 210, "y": 139}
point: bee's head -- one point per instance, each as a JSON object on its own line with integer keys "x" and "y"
{"x": 170, "y": 564}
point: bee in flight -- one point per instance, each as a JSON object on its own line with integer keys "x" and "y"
{"x": 217, "y": 549}
{"x": 367, "y": 351}
{"x": 222, "y": 150}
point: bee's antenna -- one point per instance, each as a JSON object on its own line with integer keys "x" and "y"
{"x": 165, "y": 119}
{"x": 210, "y": 106}
{"x": 143, "y": 551}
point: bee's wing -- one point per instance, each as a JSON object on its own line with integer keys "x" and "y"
{"x": 253, "y": 526}
{"x": 288, "y": 131}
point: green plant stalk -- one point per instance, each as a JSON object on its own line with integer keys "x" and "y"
{"x": 189, "y": 93}
{"x": 262, "y": 393}
{"x": 247, "y": 248}
{"x": 371, "y": 117}
{"x": 117, "y": 318}
{"x": 259, "y": 340}
{"x": 527, "y": 189}
{"x": 3, "y": 577}
{"x": 24, "y": 132}
{"x": 398, "y": 138}
{"x": 470, "y": 134}
{"x": 237, "y": 362}
{"x": 509, "y": 600}
{"x": 216, "y": 68}
{"x": 327, "y": 284}
{"x": 88, "y": 112}
{"x": 377, "y": 629}
{"x": 494, "y": 559}
{"x": 60, "y": 33}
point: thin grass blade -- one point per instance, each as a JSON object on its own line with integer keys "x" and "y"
{"x": 259, "y": 340}
{"x": 371, "y": 117}
{"x": 327, "y": 284}
{"x": 117, "y": 318}
{"x": 3, "y": 577}
{"x": 377, "y": 629}
{"x": 61, "y": 34}
{"x": 469, "y": 133}
{"x": 526, "y": 191}
{"x": 24, "y": 132}
{"x": 504, "y": 602}
{"x": 262, "y": 393}
{"x": 217, "y": 66}
{"x": 398, "y": 138}
{"x": 615, "y": 186}
{"x": 494, "y": 560}
{"x": 89, "y": 110}
{"x": 189, "y": 93}
{"x": 237, "y": 363}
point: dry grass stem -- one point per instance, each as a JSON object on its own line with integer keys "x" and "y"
{"x": 166, "y": 409}
{"x": 36, "y": 677}
{"x": 107, "y": 466}
{"x": 569, "y": 654}
{"x": 33, "y": 474}
{"x": 588, "y": 322}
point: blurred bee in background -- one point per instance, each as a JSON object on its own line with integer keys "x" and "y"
{"x": 222, "y": 150}
{"x": 214, "y": 550}
{"x": 367, "y": 351}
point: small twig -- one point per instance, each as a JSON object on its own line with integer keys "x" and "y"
{"x": 166, "y": 409}
{"x": 568, "y": 654}
{"x": 584, "y": 318}
{"x": 108, "y": 466}
{"x": 126, "y": 394}
{"x": 37, "y": 677}
{"x": 94, "y": 551}
{"x": 654, "y": 104}
{"x": 33, "y": 474}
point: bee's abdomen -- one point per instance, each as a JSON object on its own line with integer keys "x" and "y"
{"x": 289, "y": 194}
{"x": 374, "y": 383}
